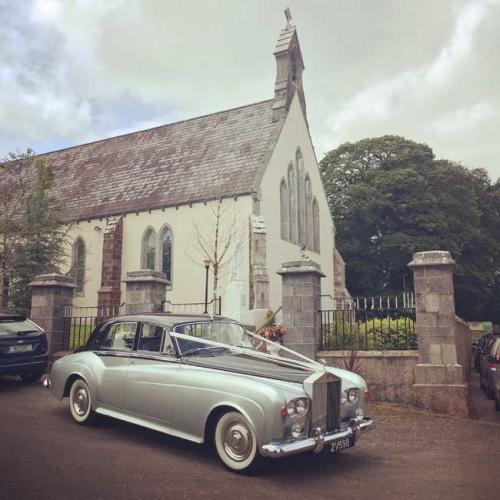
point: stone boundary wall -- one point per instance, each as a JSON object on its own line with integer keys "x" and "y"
{"x": 389, "y": 374}
{"x": 463, "y": 340}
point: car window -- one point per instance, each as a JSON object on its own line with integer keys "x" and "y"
{"x": 120, "y": 337}
{"x": 151, "y": 338}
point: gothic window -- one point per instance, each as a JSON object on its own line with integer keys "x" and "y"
{"x": 166, "y": 252}
{"x": 292, "y": 203}
{"x": 284, "y": 211}
{"x": 315, "y": 217}
{"x": 148, "y": 249}
{"x": 301, "y": 200}
{"x": 309, "y": 214}
{"x": 78, "y": 264}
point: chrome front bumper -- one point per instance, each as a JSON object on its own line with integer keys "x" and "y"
{"x": 316, "y": 443}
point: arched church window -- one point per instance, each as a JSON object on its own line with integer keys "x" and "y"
{"x": 166, "y": 252}
{"x": 78, "y": 264}
{"x": 148, "y": 249}
{"x": 309, "y": 214}
{"x": 292, "y": 203}
{"x": 301, "y": 199}
{"x": 284, "y": 211}
{"x": 316, "y": 226}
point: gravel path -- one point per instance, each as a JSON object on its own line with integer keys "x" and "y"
{"x": 410, "y": 454}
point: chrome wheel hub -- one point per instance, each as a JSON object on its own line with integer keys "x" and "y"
{"x": 81, "y": 401}
{"x": 237, "y": 441}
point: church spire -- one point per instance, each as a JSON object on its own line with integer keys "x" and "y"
{"x": 289, "y": 68}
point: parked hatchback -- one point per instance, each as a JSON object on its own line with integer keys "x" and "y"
{"x": 23, "y": 347}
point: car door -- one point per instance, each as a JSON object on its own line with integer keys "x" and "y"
{"x": 152, "y": 375}
{"x": 115, "y": 350}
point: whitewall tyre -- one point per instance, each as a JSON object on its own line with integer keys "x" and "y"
{"x": 80, "y": 403}
{"x": 236, "y": 443}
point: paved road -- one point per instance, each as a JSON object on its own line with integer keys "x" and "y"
{"x": 44, "y": 455}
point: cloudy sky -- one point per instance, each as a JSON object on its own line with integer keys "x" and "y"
{"x": 78, "y": 70}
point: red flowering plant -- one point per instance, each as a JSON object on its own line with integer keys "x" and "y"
{"x": 274, "y": 333}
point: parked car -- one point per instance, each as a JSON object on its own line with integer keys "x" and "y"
{"x": 479, "y": 347}
{"x": 23, "y": 347}
{"x": 488, "y": 365}
{"x": 496, "y": 383}
{"x": 206, "y": 379}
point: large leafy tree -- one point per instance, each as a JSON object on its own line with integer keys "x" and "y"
{"x": 390, "y": 197}
{"x": 32, "y": 234}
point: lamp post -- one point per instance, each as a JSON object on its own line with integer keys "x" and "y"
{"x": 206, "y": 263}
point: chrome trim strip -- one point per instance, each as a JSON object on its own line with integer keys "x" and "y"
{"x": 316, "y": 444}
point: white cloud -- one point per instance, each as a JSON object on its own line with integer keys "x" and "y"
{"x": 77, "y": 71}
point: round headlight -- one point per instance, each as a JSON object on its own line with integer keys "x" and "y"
{"x": 297, "y": 430}
{"x": 353, "y": 395}
{"x": 298, "y": 406}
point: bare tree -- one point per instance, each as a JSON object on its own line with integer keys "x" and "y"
{"x": 216, "y": 238}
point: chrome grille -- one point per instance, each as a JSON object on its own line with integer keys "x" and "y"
{"x": 326, "y": 403}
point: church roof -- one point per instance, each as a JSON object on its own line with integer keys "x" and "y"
{"x": 189, "y": 161}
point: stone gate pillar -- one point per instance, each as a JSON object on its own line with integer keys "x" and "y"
{"x": 50, "y": 295}
{"x": 301, "y": 292}
{"x": 145, "y": 291}
{"x": 439, "y": 378}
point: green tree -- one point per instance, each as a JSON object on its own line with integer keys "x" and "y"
{"x": 390, "y": 197}
{"x": 31, "y": 226}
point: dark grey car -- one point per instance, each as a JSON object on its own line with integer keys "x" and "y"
{"x": 489, "y": 363}
{"x": 23, "y": 347}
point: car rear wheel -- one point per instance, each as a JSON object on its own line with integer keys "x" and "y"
{"x": 31, "y": 377}
{"x": 236, "y": 443}
{"x": 80, "y": 403}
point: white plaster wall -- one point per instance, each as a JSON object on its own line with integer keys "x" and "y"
{"x": 293, "y": 135}
{"x": 188, "y": 272}
{"x": 93, "y": 239}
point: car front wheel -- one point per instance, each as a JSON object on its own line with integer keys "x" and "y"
{"x": 236, "y": 443}
{"x": 80, "y": 403}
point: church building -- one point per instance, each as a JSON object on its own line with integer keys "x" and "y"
{"x": 157, "y": 199}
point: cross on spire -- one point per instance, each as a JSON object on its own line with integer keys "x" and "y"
{"x": 288, "y": 16}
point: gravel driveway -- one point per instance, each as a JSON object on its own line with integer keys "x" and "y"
{"x": 44, "y": 455}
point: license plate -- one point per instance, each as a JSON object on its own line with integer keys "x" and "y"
{"x": 340, "y": 445}
{"x": 21, "y": 348}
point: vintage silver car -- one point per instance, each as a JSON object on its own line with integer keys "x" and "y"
{"x": 207, "y": 379}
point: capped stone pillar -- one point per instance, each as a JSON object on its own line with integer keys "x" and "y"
{"x": 51, "y": 294}
{"x": 301, "y": 292}
{"x": 145, "y": 291}
{"x": 439, "y": 378}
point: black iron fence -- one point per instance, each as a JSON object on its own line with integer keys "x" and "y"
{"x": 214, "y": 307}
{"x": 369, "y": 323}
{"x": 79, "y": 322}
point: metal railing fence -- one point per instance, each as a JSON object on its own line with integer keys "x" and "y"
{"x": 369, "y": 323}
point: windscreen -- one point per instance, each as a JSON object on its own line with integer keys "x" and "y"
{"x": 217, "y": 338}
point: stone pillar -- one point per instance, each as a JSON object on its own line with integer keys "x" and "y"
{"x": 439, "y": 378}
{"x": 301, "y": 292}
{"x": 50, "y": 295}
{"x": 109, "y": 295}
{"x": 339, "y": 285}
{"x": 145, "y": 291}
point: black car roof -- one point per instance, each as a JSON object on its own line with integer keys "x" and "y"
{"x": 8, "y": 315}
